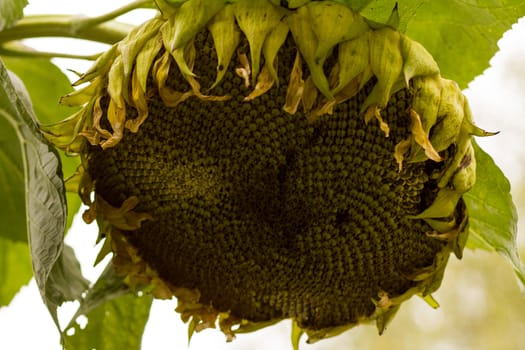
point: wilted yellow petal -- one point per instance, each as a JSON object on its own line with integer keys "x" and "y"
{"x": 374, "y": 111}
{"x": 97, "y": 116}
{"x": 295, "y": 89}
{"x": 139, "y": 102}
{"x": 400, "y": 150}
{"x": 117, "y": 118}
{"x": 325, "y": 108}
{"x": 124, "y": 217}
{"x": 196, "y": 89}
{"x": 170, "y": 97}
{"x": 244, "y": 70}
{"x": 117, "y": 82}
{"x": 264, "y": 83}
{"x": 421, "y": 137}
{"x": 309, "y": 94}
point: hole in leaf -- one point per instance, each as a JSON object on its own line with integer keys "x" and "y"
{"x": 82, "y": 321}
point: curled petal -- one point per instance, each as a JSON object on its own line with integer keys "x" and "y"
{"x": 123, "y": 218}
{"x": 244, "y": 70}
{"x": 169, "y": 96}
{"x": 309, "y": 94}
{"x": 375, "y": 111}
{"x": 226, "y": 322}
{"x": 117, "y": 118}
{"x": 97, "y": 117}
{"x": 400, "y": 150}
{"x": 419, "y": 135}
{"x": 264, "y": 83}
{"x": 326, "y": 108}
{"x": 118, "y": 83}
{"x": 295, "y": 87}
{"x": 195, "y": 86}
{"x": 139, "y": 102}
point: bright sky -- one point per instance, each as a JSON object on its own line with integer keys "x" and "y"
{"x": 497, "y": 102}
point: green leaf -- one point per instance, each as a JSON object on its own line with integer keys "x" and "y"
{"x": 12, "y": 185}
{"x": 493, "y": 217}
{"x": 46, "y": 84}
{"x": 15, "y": 269}
{"x": 108, "y": 286}
{"x": 65, "y": 281}
{"x": 10, "y": 12}
{"x": 114, "y": 325}
{"x": 56, "y": 269}
{"x": 461, "y": 35}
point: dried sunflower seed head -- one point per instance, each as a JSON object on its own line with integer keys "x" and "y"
{"x": 254, "y": 187}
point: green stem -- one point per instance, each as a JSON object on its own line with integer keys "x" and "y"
{"x": 17, "y": 50}
{"x": 93, "y": 21}
{"x": 101, "y": 29}
{"x": 64, "y": 26}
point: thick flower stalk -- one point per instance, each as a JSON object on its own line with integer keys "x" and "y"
{"x": 261, "y": 162}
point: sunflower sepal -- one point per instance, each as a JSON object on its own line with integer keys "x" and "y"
{"x": 226, "y": 37}
{"x": 257, "y": 19}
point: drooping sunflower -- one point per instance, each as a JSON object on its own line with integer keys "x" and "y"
{"x": 261, "y": 161}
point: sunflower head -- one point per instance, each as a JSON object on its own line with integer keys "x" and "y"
{"x": 262, "y": 162}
